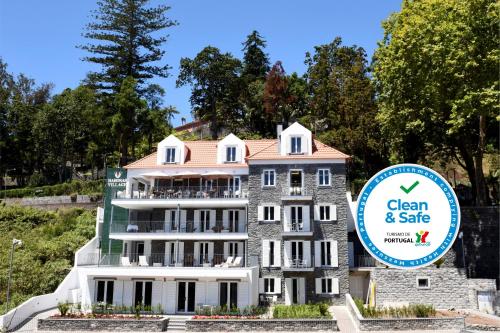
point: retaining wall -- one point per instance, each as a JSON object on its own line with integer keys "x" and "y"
{"x": 267, "y": 325}
{"x": 113, "y": 325}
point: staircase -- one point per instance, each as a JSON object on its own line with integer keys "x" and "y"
{"x": 177, "y": 324}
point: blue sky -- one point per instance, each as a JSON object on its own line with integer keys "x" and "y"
{"x": 38, "y": 38}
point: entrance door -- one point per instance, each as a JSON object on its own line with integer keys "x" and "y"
{"x": 143, "y": 293}
{"x": 138, "y": 251}
{"x": 295, "y": 182}
{"x": 228, "y": 295}
{"x": 185, "y": 296}
{"x": 295, "y": 291}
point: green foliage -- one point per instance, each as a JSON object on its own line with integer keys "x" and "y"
{"x": 63, "y": 308}
{"x": 50, "y": 240}
{"x": 95, "y": 187}
{"x": 251, "y": 310}
{"x": 436, "y": 72}
{"x": 301, "y": 311}
{"x": 410, "y": 311}
{"x": 214, "y": 78}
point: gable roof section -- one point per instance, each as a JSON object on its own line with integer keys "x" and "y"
{"x": 204, "y": 154}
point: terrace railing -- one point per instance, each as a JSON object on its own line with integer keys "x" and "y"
{"x": 183, "y": 192}
{"x": 184, "y": 227}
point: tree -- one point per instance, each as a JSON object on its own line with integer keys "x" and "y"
{"x": 342, "y": 105}
{"x": 214, "y": 77}
{"x": 436, "y": 72}
{"x": 255, "y": 60}
{"x": 124, "y": 123}
{"x": 74, "y": 117}
{"x": 128, "y": 44}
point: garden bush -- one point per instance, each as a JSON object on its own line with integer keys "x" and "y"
{"x": 410, "y": 311}
{"x": 92, "y": 188}
{"x": 302, "y": 311}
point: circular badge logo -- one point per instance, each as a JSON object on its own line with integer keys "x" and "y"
{"x": 408, "y": 216}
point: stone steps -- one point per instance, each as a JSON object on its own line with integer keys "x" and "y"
{"x": 176, "y": 325}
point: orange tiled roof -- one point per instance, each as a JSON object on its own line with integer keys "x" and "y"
{"x": 204, "y": 154}
{"x": 320, "y": 151}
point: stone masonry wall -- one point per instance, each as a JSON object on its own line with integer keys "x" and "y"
{"x": 337, "y": 230}
{"x": 448, "y": 287}
{"x": 112, "y": 325}
{"x": 266, "y": 325}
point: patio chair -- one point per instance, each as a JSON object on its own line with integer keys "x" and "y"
{"x": 125, "y": 261}
{"x": 132, "y": 228}
{"x": 143, "y": 261}
{"x": 227, "y": 263}
{"x": 226, "y": 194}
{"x": 237, "y": 262}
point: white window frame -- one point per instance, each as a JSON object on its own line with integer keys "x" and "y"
{"x": 326, "y": 208}
{"x": 423, "y": 278}
{"x": 273, "y": 179}
{"x": 325, "y": 290}
{"x": 329, "y": 178}
{"x": 106, "y": 285}
{"x": 268, "y": 208}
{"x": 172, "y": 156}
{"x": 298, "y": 148}
{"x": 269, "y": 291}
{"x": 233, "y": 155}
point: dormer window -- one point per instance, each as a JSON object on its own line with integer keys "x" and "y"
{"x": 170, "y": 155}
{"x": 230, "y": 154}
{"x": 296, "y": 146}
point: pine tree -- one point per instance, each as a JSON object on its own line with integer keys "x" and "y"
{"x": 127, "y": 44}
{"x": 255, "y": 60}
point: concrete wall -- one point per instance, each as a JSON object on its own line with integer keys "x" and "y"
{"x": 337, "y": 230}
{"x": 448, "y": 287}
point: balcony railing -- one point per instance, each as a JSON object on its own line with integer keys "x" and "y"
{"x": 183, "y": 192}
{"x": 298, "y": 263}
{"x": 296, "y": 192}
{"x": 161, "y": 260}
{"x": 364, "y": 261}
{"x": 298, "y": 226}
{"x": 185, "y": 227}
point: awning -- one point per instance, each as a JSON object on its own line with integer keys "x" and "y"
{"x": 215, "y": 173}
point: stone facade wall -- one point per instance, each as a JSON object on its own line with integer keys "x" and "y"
{"x": 264, "y": 325}
{"x": 475, "y": 285}
{"x": 448, "y": 287}
{"x": 117, "y": 325}
{"x": 337, "y": 230}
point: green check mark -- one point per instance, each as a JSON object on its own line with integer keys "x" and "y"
{"x": 409, "y": 189}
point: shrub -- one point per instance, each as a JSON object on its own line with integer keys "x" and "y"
{"x": 301, "y": 311}
{"x": 63, "y": 309}
{"x": 92, "y": 188}
{"x": 410, "y": 311}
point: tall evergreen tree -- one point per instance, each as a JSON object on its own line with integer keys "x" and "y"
{"x": 215, "y": 81}
{"x": 127, "y": 43}
{"x": 255, "y": 60}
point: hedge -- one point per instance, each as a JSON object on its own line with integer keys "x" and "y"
{"x": 93, "y": 187}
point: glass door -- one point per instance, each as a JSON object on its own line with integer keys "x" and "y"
{"x": 185, "y": 296}
{"x": 143, "y": 293}
{"x": 228, "y": 295}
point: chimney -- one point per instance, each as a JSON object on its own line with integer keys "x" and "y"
{"x": 279, "y": 129}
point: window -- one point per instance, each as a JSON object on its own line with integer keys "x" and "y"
{"x": 231, "y": 154}
{"x": 234, "y": 217}
{"x": 324, "y": 177}
{"x": 269, "y": 178}
{"x": 170, "y": 155}
{"x": 233, "y": 250}
{"x": 104, "y": 292}
{"x": 228, "y": 295}
{"x": 269, "y": 285}
{"x": 423, "y": 283}
{"x": 296, "y": 218}
{"x": 269, "y": 213}
{"x": 326, "y": 286}
{"x": 143, "y": 292}
{"x": 296, "y": 147}
{"x": 326, "y": 253}
{"x": 271, "y": 253}
{"x": 324, "y": 213}
{"x": 205, "y": 221}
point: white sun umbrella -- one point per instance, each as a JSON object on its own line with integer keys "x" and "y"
{"x": 215, "y": 173}
{"x": 157, "y": 173}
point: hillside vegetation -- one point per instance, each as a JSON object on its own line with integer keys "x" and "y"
{"x": 50, "y": 240}
{"x": 93, "y": 188}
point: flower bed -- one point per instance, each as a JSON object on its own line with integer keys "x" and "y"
{"x": 225, "y": 317}
{"x": 302, "y": 311}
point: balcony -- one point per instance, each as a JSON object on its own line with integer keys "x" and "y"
{"x": 188, "y": 196}
{"x": 362, "y": 261}
{"x": 160, "y": 260}
{"x": 298, "y": 193}
{"x": 298, "y": 228}
{"x": 298, "y": 264}
{"x": 187, "y": 230}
